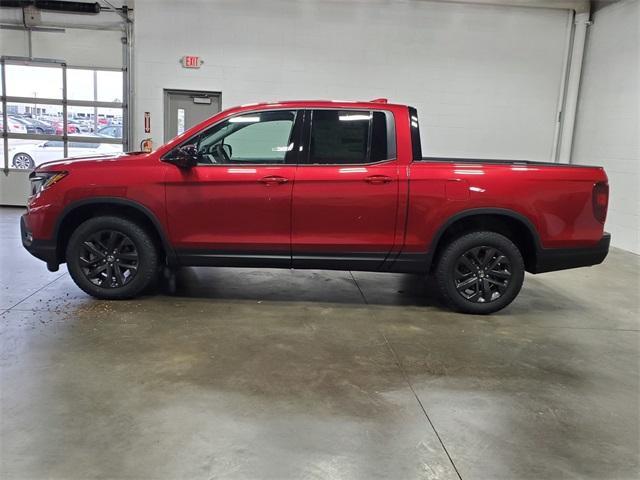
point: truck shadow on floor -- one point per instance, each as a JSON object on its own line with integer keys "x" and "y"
{"x": 357, "y": 288}
{"x": 301, "y": 285}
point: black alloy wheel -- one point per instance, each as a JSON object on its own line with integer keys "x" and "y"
{"x": 482, "y": 274}
{"x": 112, "y": 257}
{"x": 109, "y": 259}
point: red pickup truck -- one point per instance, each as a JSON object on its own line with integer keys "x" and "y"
{"x": 315, "y": 184}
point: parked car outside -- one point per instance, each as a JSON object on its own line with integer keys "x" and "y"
{"x": 14, "y": 126}
{"x": 71, "y": 128}
{"x": 35, "y": 126}
{"x": 83, "y": 126}
{"x": 29, "y": 156}
{"x": 112, "y": 131}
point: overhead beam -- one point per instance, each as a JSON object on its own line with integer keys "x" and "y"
{"x": 578, "y": 6}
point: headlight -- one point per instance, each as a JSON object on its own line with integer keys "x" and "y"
{"x": 42, "y": 180}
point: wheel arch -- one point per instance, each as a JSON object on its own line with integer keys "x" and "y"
{"x": 515, "y": 226}
{"x": 77, "y": 212}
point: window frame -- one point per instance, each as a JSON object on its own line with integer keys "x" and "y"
{"x": 391, "y": 137}
{"x": 62, "y": 102}
{"x": 291, "y": 157}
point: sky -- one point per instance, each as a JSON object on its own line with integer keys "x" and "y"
{"x": 46, "y": 82}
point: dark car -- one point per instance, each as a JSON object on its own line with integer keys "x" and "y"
{"x": 111, "y": 131}
{"x": 35, "y": 126}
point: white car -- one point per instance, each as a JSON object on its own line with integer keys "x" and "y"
{"x": 30, "y": 155}
{"x": 14, "y": 125}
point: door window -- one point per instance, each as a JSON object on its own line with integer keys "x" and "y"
{"x": 349, "y": 137}
{"x": 253, "y": 138}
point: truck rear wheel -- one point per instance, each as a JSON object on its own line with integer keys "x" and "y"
{"x": 480, "y": 273}
{"x": 112, "y": 258}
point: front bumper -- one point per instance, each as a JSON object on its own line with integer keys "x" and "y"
{"x": 552, "y": 259}
{"x": 43, "y": 249}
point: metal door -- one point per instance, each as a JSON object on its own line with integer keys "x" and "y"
{"x": 185, "y": 108}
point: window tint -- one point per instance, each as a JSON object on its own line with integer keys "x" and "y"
{"x": 261, "y": 141}
{"x": 415, "y": 134}
{"x": 261, "y": 137}
{"x": 379, "y": 137}
{"x": 348, "y": 137}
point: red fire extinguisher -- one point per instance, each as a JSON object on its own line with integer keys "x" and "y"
{"x": 146, "y": 145}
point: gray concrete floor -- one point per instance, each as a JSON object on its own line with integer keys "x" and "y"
{"x": 246, "y": 373}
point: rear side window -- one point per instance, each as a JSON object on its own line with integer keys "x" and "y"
{"x": 415, "y": 134}
{"x": 346, "y": 137}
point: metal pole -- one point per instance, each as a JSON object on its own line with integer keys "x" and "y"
{"x": 30, "y": 43}
{"x": 127, "y": 85}
{"x": 65, "y": 138}
{"x": 5, "y": 123}
{"x": 573, "y": 87}
{"x": 95, "y": 99}
{"x": 563, "y": 86}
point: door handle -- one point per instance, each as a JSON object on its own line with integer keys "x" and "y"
{"x": 377, "y": 179}
{"x": 273, "y": 180}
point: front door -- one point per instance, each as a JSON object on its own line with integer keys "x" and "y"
{"x": 183, "y": 109}
{"x": 345, "y": 196}
{"x": 235, "y": 205}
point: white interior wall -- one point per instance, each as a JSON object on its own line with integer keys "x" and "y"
{"x": 486, "y": 79}
{"x": 607, "y": 128}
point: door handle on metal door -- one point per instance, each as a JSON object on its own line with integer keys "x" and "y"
{"x": 378, "y": 179}
{"x": 273, "y": 180}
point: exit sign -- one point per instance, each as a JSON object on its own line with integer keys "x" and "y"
{"x": 191, "y": 61}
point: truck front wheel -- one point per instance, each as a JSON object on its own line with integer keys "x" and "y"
{"x": 480, "y": 272}
{"x": 112, "y": 258}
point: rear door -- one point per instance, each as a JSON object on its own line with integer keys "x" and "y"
{"x": 345, "y": 196}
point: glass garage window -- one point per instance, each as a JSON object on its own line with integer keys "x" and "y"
{"x": 25, "y": 154}
{"x": 81, "y": 84}
{"x": 94, "y": 121}
{"x": 34, "y": 118}
{"x": 55, "y": 111}
{"x": 33, "y": 81}
{"x": 109, "y": 86}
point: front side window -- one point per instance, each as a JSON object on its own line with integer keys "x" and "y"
{"x": 344, "y": 137}
{"x": 252, "y": 138}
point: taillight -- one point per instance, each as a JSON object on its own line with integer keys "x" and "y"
{"x": 600, "y": 201}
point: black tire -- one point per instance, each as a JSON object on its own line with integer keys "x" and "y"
{"x": 23, "y": 161}
{"x": 480, "y": 273}
{"x": 89, "y": 250}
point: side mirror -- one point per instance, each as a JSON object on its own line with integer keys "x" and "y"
{"x": 184, "y": 157}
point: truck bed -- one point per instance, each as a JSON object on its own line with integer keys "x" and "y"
{"x": 500, "y": 162}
